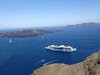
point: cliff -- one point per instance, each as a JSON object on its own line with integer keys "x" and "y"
{"x": 90, "y": 66}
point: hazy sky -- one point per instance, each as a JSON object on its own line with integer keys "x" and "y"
{"x": 32, "y": 13}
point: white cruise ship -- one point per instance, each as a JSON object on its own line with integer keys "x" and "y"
{"x": 61, "y": 48}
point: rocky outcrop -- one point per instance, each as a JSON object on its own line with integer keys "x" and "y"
{"x": 90, "y": 66}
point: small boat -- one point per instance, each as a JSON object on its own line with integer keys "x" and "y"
{"x": 61, "y": 48}
{"x": 10, "y": 41}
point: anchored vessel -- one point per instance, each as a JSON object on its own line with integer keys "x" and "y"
{"x": 61, "y": 48}
{"x": 10, "y": 41}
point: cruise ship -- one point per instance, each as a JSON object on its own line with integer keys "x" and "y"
{"x": 61, "y": 48}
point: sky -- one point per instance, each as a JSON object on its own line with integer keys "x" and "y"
{"x": 39, "y": 13}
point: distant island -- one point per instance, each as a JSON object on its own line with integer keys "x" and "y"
{"x": 34, "y": 32}
{"x": 25, "y": 33}
{"x": 90, "y": 24}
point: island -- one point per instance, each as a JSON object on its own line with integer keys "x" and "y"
{"x": 90, "y": 66}
{"x": 25, "y": 33}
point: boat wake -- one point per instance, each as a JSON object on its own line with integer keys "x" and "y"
{"x": 49, "y": 62}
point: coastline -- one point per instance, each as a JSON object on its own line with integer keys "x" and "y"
{"x": 87, "y": 67}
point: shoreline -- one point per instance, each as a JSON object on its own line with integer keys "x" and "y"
{"x": 86, "y": 67}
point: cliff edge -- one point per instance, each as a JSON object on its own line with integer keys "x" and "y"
{"x": 90, "y": 66}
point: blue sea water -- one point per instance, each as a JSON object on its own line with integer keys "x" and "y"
{"x": 24, "y": 55}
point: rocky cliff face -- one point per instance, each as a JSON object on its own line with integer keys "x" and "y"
{"x": 90, "y": 66}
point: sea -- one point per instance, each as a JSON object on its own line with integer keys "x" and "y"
{"x": 24, "y": 55}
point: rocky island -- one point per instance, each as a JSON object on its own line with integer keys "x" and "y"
{"x": 25, "y": 33}
{"x": 90, "y": 66}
